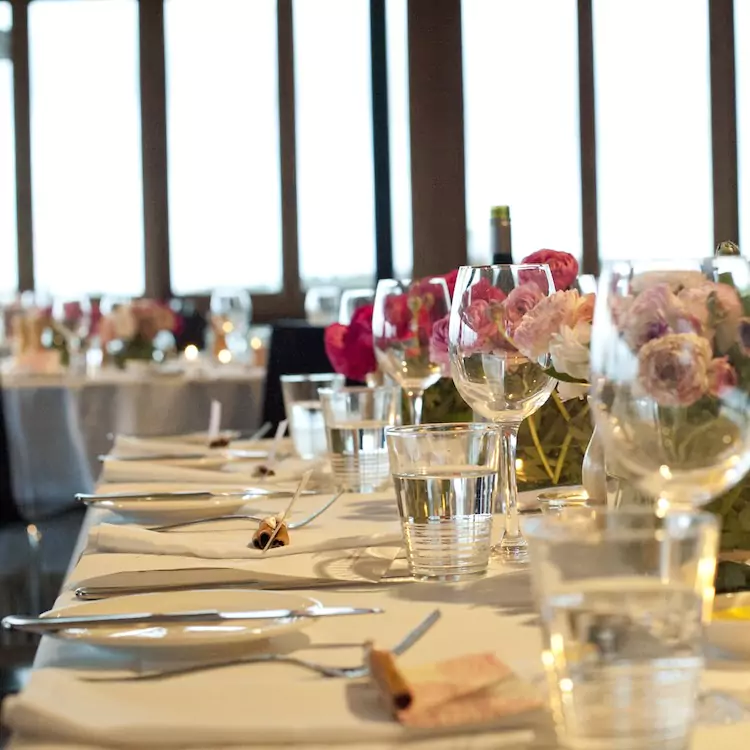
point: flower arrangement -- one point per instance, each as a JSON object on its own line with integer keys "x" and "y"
{"x": 129, "y": 330}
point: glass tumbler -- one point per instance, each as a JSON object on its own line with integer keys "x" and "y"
{"x": 622, "y": 596}
{"x": 356, "y": 420}
{"x": 445, "y": 477}
{"x": 303, "y": 410}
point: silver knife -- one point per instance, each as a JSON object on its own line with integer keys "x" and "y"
{"x": 250, "y": 494}
{"x": 53, "y": 624}
{"x": 226, "y": 454}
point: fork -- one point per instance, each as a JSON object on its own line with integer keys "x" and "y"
{"x": 349, "y": 673}
{"x": 245, "y": 517}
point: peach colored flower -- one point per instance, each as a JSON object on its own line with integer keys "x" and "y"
{"x": 673, "y": 369}
{"x": 654, "y": 313}
{"x": 533, "y": 334}
{"x": 721, "y": 376}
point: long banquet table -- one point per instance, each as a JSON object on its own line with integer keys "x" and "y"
{"x": 490, "y": 614}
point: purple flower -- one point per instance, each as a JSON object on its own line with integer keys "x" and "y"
{"x": 743, "y": 332}
{"x": 673, "y": 369}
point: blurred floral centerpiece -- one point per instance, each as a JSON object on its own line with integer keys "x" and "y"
{"x": 130, "y": 330}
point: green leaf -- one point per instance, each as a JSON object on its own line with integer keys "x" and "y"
{"x": 564, "y": 377}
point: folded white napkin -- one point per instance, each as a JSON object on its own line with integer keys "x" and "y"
{"x": 217, "y": 710}
{"x": 225, "y": 545}
{"x": 238, "y": 472}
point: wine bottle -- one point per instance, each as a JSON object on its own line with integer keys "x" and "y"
{"x": 500, "y": 242}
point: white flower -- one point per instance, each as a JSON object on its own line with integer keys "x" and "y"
{"x": 124, "y": 323}
{"x": 570, "y": 350}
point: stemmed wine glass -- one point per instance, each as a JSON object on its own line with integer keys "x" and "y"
{"x": 402, "y": 322}
{"x": 670, "y": 360}
{"x": 492, "y": 375}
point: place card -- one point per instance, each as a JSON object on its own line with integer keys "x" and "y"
{"x": 471, "y": 689}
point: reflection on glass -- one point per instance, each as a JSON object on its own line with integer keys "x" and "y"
{"x": 653, "y": 134}
{"x": 8, "y": 247}
{"x": 86, "y": 147}
{"x": 521, "y": 123}
{"x": 399, "y": 134}
{"x": 335, "y": 188}
{"x": 223, "y": 125}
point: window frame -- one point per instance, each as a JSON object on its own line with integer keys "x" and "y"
{"x": 433, "y": 27}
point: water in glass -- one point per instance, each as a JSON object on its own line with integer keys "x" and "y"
{"x": 359, "y": 456}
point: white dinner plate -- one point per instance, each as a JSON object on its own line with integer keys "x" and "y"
{"x": 193, "y": 635}
{"x": 169, "y": 510}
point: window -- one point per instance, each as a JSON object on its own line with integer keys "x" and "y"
{"x": 521, "y": 123}
{"x": 8, "y": 241}
{"x": 397, "y": 41}
{"x": 742, "y": 72}
{"x": 85, "y": 147}
{"x": 653, "y": 128}
{"x": 223, "y": 142}
{"x": 335, "y": 180}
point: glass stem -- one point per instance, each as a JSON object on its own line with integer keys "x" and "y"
{"x": 513, "y": 545}
{"x": 416, "y": 399}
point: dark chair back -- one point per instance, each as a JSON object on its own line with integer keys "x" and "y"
{"x": 296, "y": 348}
{"x": 8, "y": 509}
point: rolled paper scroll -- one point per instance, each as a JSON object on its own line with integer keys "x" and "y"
{"x": 265, "y": 532}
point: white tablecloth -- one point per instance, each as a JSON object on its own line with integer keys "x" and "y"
{"x": 490, "y": 614}
{"x": 58, "y": 425}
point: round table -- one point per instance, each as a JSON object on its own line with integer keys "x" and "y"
{"x": 58, "y": 424}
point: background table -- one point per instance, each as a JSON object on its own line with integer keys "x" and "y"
{"x": 58, "y": 425}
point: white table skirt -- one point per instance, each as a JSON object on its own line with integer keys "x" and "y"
{"x": 490, "y": 614}
{"x": 57, "y": 426}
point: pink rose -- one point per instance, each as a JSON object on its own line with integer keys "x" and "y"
{"x": 712, "y": 304}
{"x": 439, "y": 344}
{"x": 721, "y": 376}
{"x": 563, "y": 266}
{"x": 533, "y": 334}
{"x": 350, "y": 348}
{"x": 483, "y": 290}
{"x": 673, "y": 369}
{"x": 519, "y": 302}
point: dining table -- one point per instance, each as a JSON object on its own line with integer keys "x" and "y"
{"x": 59, "y": 424}
{"x": 265, "y": 705}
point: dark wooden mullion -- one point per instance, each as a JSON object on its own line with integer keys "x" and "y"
{"x": 723, "y": 120}
{"x": 437, "y": 135}
{"x": 587, "y": 115}
{"x": 380, "y": 141}
{"x": 22, "y": 124}
{"x": 288, "y": 158}
{"x": 154, "y": 148}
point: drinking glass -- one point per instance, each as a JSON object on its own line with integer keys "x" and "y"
{"x": 231, "y": 311}
{"x": 402, "y": 322}
{"x": 623, "y": 596}
{"x": 322, "y": 305}
{"x": 670, "y": 359}
{"x": 351, "y": 301}
{"x": 304, "y": 411}
{"x": 445, "y": 480}
{"x": 356, "y": 420}
{"x": 492, "y": 376}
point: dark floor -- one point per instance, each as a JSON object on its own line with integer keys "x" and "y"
{"x": 33, "y": 561}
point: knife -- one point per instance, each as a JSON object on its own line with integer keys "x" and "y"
{"x": 222, "y": 455}
{"x": 250, "y": 494}
{"x": 53, "y": 624}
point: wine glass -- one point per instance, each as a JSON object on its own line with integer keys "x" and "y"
{"x": 351, "y": 301}
{"x": 231, "y": 311}
{"x": 493, "y": 376}
{"x": 670, "y": 362}
{"x": 322, "y": 305}
{"x": 402, "y": 321}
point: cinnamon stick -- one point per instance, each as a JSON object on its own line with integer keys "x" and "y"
{"x": 388, "y": 678}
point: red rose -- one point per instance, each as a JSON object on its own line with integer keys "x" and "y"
{"x": 564, "y": 267}
{"x": 450, "y": 281}
{"x": 350, "y": 348}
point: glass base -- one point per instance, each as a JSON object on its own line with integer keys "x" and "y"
{"x": 449, "y": 578}
{"x": 511, "y": 550}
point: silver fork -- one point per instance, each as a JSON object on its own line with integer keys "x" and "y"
{"x": 245, "y": 517}
{"x": 349, "y": 673}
